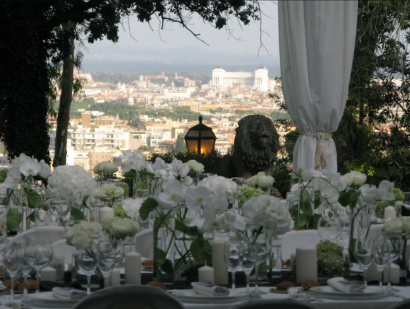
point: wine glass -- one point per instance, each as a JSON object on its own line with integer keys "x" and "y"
{"x": 330, "y": 227}
{"x": 233, "y": 258}
{"x": 88, "y": 264}
{"x": 262, "y": 253}
{"x": 364, "y": 255}
{"x": 38, "y": 256}
{"x": 395, "y": 245}
{"x": 11, "y": 261}
{"x": 381, "y": 258}
{"x": 248, "y": 261}
{"x": 106, "y": 260}
{"x": 41, "y": 211}
{"x": 3, "y": 237}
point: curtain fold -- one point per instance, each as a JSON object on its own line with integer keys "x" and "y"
{"x": 316, "y": 41}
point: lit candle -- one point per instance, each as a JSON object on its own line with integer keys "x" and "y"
{"x": 49, "y": 274}
{"x": 132, "y": 268}
{"x": 306, "y": 263}
{"x": 206, "y": 274}
{"x": 389, "y": 213}
{"x": 105, "y": 213}
{"x": 115, "y": 277}
{"x": 218, "y": 262}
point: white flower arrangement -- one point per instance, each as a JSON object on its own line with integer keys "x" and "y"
{"x": 220, "y": 186}
{"x": 131, "y": 207}
{"x": 23, "y": 167}
{"x": 260, "y": 180}
{"x": 269, "y": 212}
{"x": 72, "y": 183}
{"x": 195, "y": 166}
{"x": 105, "y": 169}
{"x": 109, "y": 193}
{"x": 120, "y": 228}
{"x": 396, "y": 227}
{"x": 83, "y": 234}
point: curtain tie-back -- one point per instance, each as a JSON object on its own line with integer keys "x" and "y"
{"x": 321, "y": 155}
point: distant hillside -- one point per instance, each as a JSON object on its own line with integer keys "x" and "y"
{"x": 191, "y": 60}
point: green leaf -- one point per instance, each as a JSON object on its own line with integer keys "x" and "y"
{"x": 3, "y": 175}
{"x": 188, "y": 230}
{"x": 13, "y": 220}
{"x": 32, "y": 196}
{"x": 77, "y": 214}
{"x": 201, "y": 251}
{"x": 317, "y": 199}
{"x": 147, "y": 206}
{"x": 167, "y": 267}
{"x": 160, "y": 256}
{"x": 32, "y": 217}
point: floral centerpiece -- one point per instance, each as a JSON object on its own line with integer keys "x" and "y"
{"x": 245, "y": 192}
{"x": 73, "y": 184}
{"x": 105, "y": 170}
{"x": 260, "y": 180}
{"x": 20, "y": 187}
{"x": 177, "y": 220}
{"x": 120, "y": 228}
{"x": 108, "y": 193}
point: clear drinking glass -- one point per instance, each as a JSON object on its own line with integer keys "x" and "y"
{"x": 88, "y": 264}
{"x": 395, "y": 245}
{"x": 106, "y": 260}
{"x": 11, "y": 261}
{"x": 381, "y": 258}
{"x": 330, "y": 228}
{"x": 233, "y": 258}
{"x": 58, "y": 209}
{"x": 248, "y": 261}
{"x": 364, "y": 255}
{"x": 38, "y": 256}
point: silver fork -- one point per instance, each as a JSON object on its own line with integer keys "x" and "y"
{"x": 297, "y": 294}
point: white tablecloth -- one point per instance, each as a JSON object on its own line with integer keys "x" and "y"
{"x": 323, "y": 304}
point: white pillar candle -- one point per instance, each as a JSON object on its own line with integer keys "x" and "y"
{"x": 48, "y": 274}
{"x": 206, "y": 274}
{"x": 115, "y": 277}
{"x": 306, "y": 263}
{"x": 218, "y": 262}
{"x": 372, "y": 273}
{"x": 105, "y": 213}
{"x": 394, "y": 275}
{"x": 389, "y": 213}
{"x": 132, "y": 269}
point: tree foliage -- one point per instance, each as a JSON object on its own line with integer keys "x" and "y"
{"x": 33, "y": 44}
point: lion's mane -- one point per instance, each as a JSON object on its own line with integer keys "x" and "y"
{"x": 256, "y": 145}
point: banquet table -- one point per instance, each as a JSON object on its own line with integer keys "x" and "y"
{"x": 321, "y": 303}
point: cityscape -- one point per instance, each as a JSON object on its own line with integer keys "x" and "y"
{"x": 223, "y": 100}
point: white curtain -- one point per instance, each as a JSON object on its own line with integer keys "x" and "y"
{"x": 316, "y": 40}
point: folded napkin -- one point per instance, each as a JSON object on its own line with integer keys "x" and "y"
{"x": 209, "y": 289}
{"x": 68, "y": 293}
{"x": 347, "y": 286}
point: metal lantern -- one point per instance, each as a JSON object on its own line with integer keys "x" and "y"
{"x": 200, "y": 138}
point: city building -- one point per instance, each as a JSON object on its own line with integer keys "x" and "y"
{"x": 258, "y": 80}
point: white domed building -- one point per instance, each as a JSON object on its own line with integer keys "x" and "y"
{"x": 258, "y": 80}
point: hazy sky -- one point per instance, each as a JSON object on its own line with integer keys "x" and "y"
{"x": 135, "y": 34}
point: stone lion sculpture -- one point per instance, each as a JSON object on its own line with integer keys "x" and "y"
{"x": 256, "y": 145}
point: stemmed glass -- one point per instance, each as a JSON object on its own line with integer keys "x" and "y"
{"x": 364, "y": 255}
{"x": 107, "y": 255}
{"x": 38, "y": 256}
{"x": 248, "y": 261}
{"x": 395, "y": 245}
{"x": 262, "y": 253}
{"x": 11, "y": 261}
{"x": 233, "y": 258}
{"x": 381, "y": 258}
{"x": 88, "y": 264}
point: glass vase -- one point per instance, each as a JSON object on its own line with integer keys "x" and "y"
{"x": 164, "y": 248}
{"x": 140, "y": 185}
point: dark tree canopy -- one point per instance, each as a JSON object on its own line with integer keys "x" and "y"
{"x": 34, "y": 40}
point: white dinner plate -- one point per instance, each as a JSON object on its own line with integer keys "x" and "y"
{"x": 189, "y": 296}
{"x": 371, "y": 292}
{"x": 47, "y": 300}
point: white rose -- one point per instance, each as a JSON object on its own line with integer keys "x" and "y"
{"x": 393, "y": 227}
{"x": 132, "y": 206}
{"x": 93, "y": 229}
{"x": 80, "y": 239}
{"x": 109, "y": 168}
{"x": 359, "y": 178}
{"x": 308, "y": 175}
{"x": 195, "y": 166}
{"x": 122, "y": 228}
